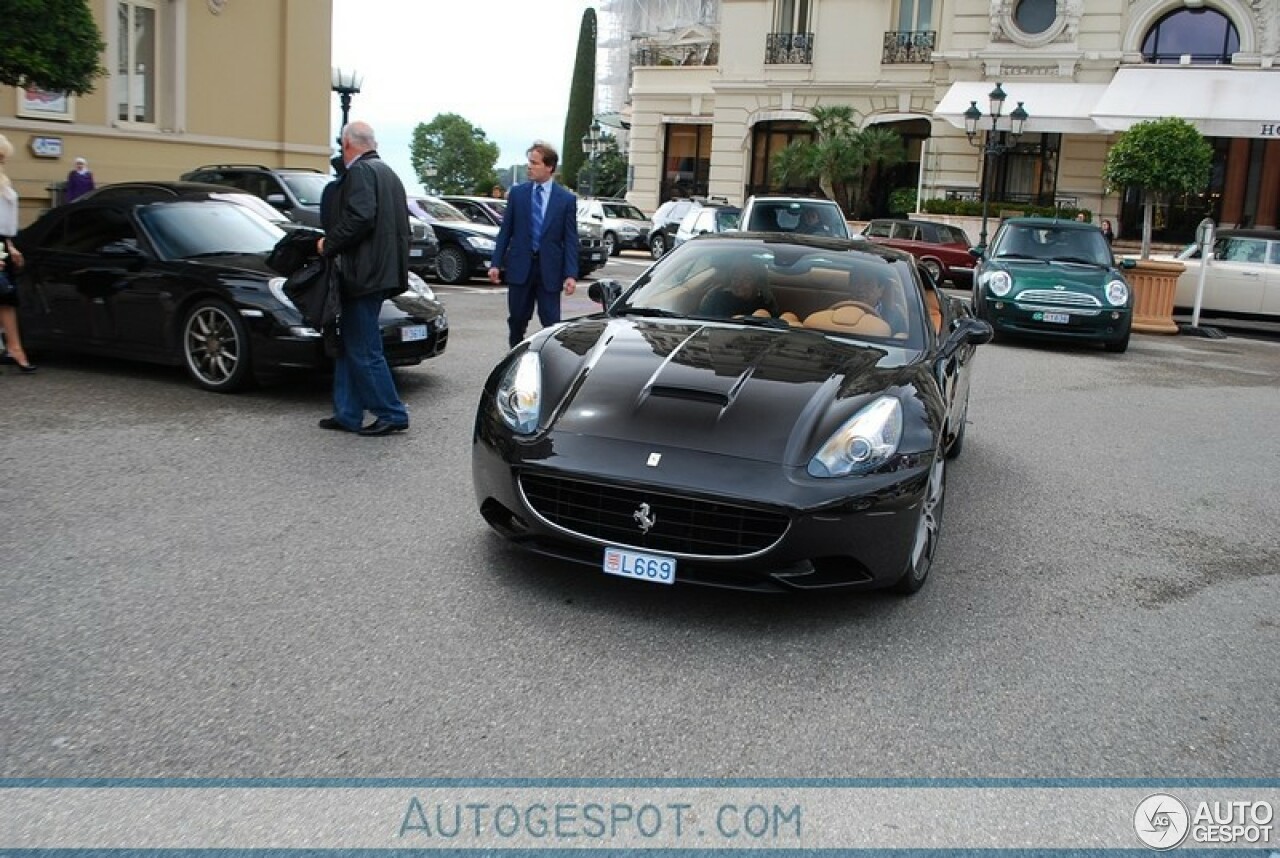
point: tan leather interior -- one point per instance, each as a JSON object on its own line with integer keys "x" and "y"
{"x": 849, "y": 317}
{"x": 935, "y": 310}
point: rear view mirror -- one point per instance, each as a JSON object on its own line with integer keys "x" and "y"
{"x": 605, "y": 292}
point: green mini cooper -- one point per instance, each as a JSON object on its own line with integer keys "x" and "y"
{"x": 1049, "y": 278}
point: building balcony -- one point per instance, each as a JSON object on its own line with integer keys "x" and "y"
{"x": 908, "y": 46}
{"x": 788, "y": 48}
{"x": 701, "y": 54}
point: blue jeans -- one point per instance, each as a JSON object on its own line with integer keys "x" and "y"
{"x": 361, "y": 377}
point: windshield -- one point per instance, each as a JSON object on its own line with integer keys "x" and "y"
{"x": 785, "y": 286}
{"x": 432, "y": 210}
{"x": 1052, "y": 243}
{"x": 307, "y": 187}
{"x": 624, "y": 211}
{"x": 184, "y": 230}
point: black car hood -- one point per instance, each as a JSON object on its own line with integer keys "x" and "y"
{"x": 739, "y": 391}
{"x": 465, "y": 228}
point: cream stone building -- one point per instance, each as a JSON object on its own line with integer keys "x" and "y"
{"x": 1084, "y": 70}
{"x": 189, "y": 82}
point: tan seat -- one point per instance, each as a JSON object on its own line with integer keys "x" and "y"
{"x": 935, "y": 310}
{"x": 849, "y": 317}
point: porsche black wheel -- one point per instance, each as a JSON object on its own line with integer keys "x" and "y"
{"x": 215, "y": 347}
{"x": 928, "y": 530}
{"x": 451, "y": 266}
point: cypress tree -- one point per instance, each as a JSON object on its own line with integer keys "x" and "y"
{"x": 581, "y": 101}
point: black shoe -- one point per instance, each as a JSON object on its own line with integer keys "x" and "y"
{"x": 382, "y": 427}
{"x": 332, "y": 424}
{"x": 26, "y": 367}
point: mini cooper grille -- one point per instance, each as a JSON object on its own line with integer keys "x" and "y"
{"x": 1066, "y": 299}
{"x": 681, "y": 525}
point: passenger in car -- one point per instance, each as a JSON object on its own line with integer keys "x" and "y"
{"x": 745, "y": 290}
{"x": 884, "y": 298}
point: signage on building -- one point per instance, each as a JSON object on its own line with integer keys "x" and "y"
{"x": 46, "y": 147}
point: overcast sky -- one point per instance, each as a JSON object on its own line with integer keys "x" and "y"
{"x": 503, "y": 65}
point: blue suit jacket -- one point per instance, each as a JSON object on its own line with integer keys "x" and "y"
{"x": 557, "y": 248}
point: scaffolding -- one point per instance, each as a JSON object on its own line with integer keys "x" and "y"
{"x": 651, "y": 32}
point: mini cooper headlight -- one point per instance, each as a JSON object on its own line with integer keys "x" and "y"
{"x": 1117, "y": 292}
{"x": 866, "y": 441}
{"x": 999, "y": 282}
{"x": 519, "y": 395}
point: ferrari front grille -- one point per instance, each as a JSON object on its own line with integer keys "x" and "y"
{"x": 650, "y": 520}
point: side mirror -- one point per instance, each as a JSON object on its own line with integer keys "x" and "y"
{"x": 966, "y": 331}
{"x": 978, "y": 252}
{"x": 277, "y": 200}
{"x": 605, "y": 292}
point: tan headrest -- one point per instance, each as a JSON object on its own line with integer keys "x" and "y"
{"x": 848, "y": 319}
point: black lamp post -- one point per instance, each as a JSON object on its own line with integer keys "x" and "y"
{"x": 346, "y": 83}
{"x": 592, "y": 144}
{"x": 990, "y": 144}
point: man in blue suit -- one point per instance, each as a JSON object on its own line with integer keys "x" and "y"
{"x": 536, "y": 253}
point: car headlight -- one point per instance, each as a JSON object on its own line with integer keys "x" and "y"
{"x": 864, "y": 442}
{"x": 1118, "y": 292}
{"x": 276, "y": 286}
{"x": 519, "y": 395}
{"x": 999, "y": 282}
{"x": 418, "y": 286}
{"x": 479, "y": 242}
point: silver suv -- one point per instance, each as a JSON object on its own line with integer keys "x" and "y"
{"x": 623, "y": 226}
{"x": 804, "y": 215}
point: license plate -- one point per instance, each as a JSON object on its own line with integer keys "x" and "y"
{"x": 415, "y": 251}
{"x": 597, "y": 257}
{"x": 413, "y": 332}
{"x": 644, "y": 567}
{"x": 1060, "y": 318}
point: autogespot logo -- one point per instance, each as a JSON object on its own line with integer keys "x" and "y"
{"x": 1161, "y": 821}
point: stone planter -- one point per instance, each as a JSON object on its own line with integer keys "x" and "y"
{"x": 1153, "y": 285}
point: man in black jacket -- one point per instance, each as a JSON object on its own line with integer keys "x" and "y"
{"x": 366, "y": 221}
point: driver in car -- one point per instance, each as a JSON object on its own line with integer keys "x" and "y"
{"x": 745, "y": 292}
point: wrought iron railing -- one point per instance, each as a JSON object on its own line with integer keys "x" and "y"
{"x": 909, "y": 46}
{"x": 784, "y": 48}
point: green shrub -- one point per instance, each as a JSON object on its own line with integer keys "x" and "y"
{"x": 995, "y": 208}
{"x": 902, "y": 201}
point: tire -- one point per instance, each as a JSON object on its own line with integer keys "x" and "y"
{"x": 928, "y": 530}
{"x": 1119, "y": 347}
{"x": 215, "y": 347}
{"x": 957, "y": 443}
{"x": 934, "y": 268}
{"x": 452, "y": 266}
{"x": 611, "y": 247}
{"x": 657, "y": 245}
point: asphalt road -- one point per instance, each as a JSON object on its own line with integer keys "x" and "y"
{"x": 194, "y": 585}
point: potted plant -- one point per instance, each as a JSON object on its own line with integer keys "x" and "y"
{"x": 1162, "y": 157}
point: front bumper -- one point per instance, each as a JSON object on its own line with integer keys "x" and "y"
{"x": 853, "y": 533}
{"x": 1100, "y": 324}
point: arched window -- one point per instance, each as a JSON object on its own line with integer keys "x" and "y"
{"x": 1205, "y": 35}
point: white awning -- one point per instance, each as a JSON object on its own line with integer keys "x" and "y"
{"x": 1220, "y": 101}
{"x": 1057, "y": 107}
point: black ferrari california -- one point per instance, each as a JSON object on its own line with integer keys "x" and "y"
{"x": 756, "y": 411}
{"x": 185, "y": 281}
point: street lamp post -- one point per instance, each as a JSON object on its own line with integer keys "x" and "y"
{"x": 346, "y": 83}
{"x": 592, "y": 144}
{"x": 990, "y": 144}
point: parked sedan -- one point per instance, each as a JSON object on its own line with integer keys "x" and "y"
{"x": 489, "y": 211}
{"x": 705, "y": 218}
{"x": 184, "y": 281}
{"x": 681, "y": 437}
{"x": 465, "y": 247}
{"x": 1042, "y": 277}
{"x": 940, "y": 248}
{"x": 1242, "y": 277}
{"x": 485, "y": 210}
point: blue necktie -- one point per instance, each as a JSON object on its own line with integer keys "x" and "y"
{"x": 537, "y": 216}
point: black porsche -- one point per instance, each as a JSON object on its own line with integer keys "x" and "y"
{"x": 185, "y": 281}
{"x": 757, "y": 411}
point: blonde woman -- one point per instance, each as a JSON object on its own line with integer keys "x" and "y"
{"x": 11, "y": 261}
